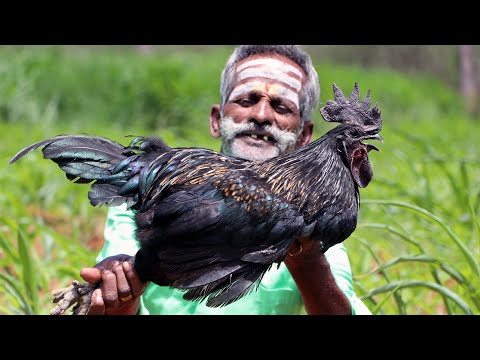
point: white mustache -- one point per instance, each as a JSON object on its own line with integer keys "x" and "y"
{"x": 284, "y": 139}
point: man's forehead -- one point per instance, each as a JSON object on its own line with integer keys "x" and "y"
{"x": 283, "y": 64}
{"x": 272, "y": 74}
{"x": 271, "y": 60}
{"x": 281, "y": 69}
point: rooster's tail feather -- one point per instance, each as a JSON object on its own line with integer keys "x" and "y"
{"x": 84, "y": 159}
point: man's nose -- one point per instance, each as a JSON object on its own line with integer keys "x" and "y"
{"x": 262, "y": 112}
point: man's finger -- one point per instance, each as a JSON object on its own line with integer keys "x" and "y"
{"x": 91, "y": 275}
{"x": 136, "y": 285}
{"x": 109, "y": 288}
{"x": 124, "y": 291}
{"x": 97, "y": 306}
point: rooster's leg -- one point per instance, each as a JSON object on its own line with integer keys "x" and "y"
{"x": 79, "y": 293}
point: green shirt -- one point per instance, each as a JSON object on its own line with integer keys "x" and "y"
{"x": 276, "y": 294}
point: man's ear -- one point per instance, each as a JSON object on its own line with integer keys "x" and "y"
{"x": 306, "y": 135}
{"x": 215, "y": 117}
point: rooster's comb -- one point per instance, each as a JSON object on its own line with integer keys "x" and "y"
{"x": 352, "y": 111}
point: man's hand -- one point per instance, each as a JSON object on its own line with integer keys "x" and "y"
{"x": 312, "y": 274}
{"x": 304, "y": 250}
{"x": 120, "y": 289}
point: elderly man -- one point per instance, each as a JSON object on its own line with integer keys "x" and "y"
{"x": 268, "y": 95}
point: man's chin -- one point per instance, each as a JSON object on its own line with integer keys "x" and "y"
{"x": 251, "y": 150}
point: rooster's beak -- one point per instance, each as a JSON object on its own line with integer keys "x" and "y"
{"x": 375, "y": 137}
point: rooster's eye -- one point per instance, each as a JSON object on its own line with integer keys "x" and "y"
{"x": 354, "y": 133}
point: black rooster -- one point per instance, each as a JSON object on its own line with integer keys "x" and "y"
{"x": 212, "y": 224}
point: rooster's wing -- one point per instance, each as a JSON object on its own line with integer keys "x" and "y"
{"x": 211, "y": 226}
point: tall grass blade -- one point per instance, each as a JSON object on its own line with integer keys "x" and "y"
{"x": 393, "y": 231}
{"x": 8, "y": 248}
{"x": 28, "y": 274}
{"x": 468, "y": 256}
{"x": 397, "y": 260}
{"x": 384, "y": 300}
{"x": 428, "y": 186}
{"x": 398, "y": 298}
{"x": 10, "y": 286}
{"x": 458, "y": 189}
{"x": 425, "y": 259}
{"x": 396, "y": 285}
{"x": 474, "y": 216}
{"x": 417, "y": 258}
{"x": 465, "y": 180}
{"x": 6, "y": 311}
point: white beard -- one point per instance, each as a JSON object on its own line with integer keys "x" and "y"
{"x": 284, "y": 140}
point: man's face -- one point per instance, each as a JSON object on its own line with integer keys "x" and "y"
{"x": 261, "y": 118}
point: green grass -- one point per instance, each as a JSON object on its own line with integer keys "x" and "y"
{"x": 417, "y": 243}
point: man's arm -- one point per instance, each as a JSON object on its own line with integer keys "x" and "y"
{"x": 324, "y": 280}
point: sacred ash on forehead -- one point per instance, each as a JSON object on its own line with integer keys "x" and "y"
{"x": 287, "y": 79}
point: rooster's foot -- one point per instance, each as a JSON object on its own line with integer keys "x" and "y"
{"x": 79, "y": 293}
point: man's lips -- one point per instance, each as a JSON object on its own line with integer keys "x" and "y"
{"x": 257, "y": 137}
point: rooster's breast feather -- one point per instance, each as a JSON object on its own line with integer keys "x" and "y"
{"x": 213, "y": 220}
{"x": 210, "y": 195}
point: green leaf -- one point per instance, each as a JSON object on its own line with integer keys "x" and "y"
{"x": 398, "y": 299}
{"x": 471, "y": 260}
{"x": 377, "y": 308}
{"x": 10, "y": 286}
{"x": 28, "y": 274}
{"x": 397, "y": 285}
{"x": 8, "y": 248}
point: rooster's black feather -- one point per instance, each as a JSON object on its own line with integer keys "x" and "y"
{"x": 212, "y": 224}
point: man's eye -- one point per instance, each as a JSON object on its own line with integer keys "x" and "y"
{"x": 245, "y": 102}
{"x": 281, "y": 109}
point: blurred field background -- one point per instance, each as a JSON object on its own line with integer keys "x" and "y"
{"x": 416, "y": 248}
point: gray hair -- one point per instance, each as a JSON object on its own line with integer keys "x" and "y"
{"x": 309, "y": 94}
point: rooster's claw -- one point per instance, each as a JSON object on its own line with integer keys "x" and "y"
{"x": 79, "y": 293}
